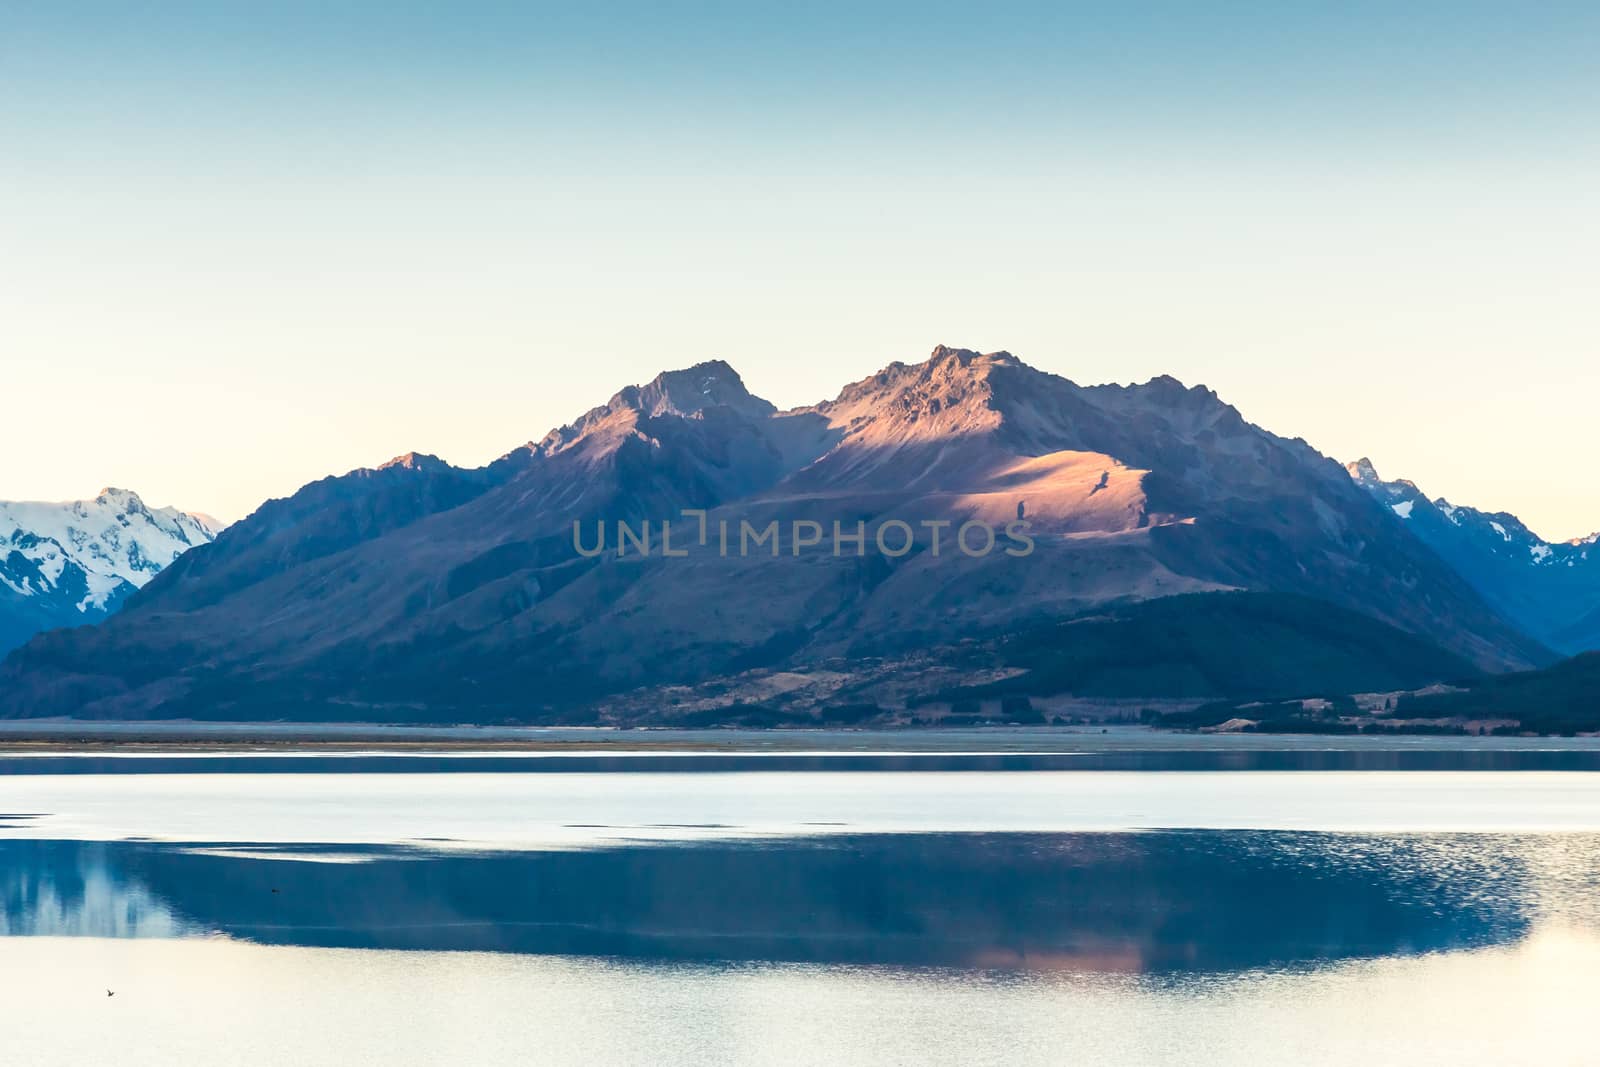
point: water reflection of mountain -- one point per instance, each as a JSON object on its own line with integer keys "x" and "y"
{"x": 1106, "y": 902}
{"x": 77, "y": 889}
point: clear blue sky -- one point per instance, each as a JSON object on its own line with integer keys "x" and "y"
{"x": 245, "y": 245}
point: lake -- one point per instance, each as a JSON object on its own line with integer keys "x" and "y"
{"x": 890, "y": 904}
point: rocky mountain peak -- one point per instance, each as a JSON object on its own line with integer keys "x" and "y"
{"x": 967, "y": 357}
{"x": 950, "y": 394}
{"x": 417, "y": 461}
{"x": 689, "y": 393}
{"x": 692, "y": 390}
{"x": 1363, "y": 471}
{"x": 1167, "y": 391}
{"x": 959, "y": 374}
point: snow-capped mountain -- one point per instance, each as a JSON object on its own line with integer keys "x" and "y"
{"x": 1550, "y": 588}
{"x": 63, "y": 564}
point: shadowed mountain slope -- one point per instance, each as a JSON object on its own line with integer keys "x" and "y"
{"x": 1550, "y": 589}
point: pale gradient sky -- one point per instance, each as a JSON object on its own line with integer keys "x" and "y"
{"x": 243, "y": 248}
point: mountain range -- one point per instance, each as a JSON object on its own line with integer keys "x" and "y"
{"x": 66, "y": 564}
{"x": 1172, "y": 546}
{"x": 1550, "y": 590}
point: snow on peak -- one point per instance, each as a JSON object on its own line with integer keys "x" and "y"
{"x": 93, "y": 552}
{"x": 209, "y": 523}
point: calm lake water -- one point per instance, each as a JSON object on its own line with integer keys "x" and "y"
{"x": 726, "y": 912}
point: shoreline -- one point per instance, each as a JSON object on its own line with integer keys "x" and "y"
{"x": 64, "y": 737}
